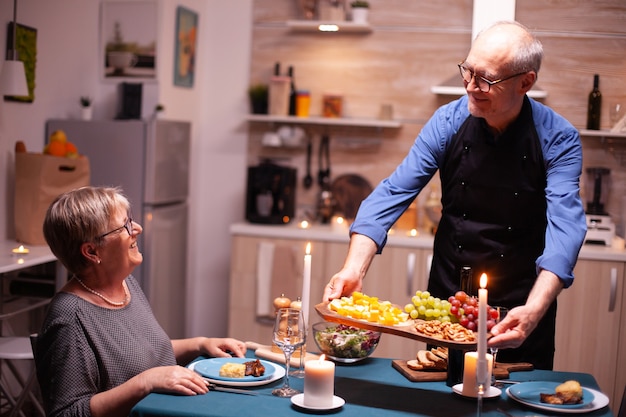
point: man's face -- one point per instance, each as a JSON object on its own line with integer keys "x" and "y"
{"x": 488, "y": 59}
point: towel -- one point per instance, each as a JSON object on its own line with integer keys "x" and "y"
{"x": 278, "y": 272}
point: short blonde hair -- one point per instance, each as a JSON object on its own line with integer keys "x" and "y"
{"x": 77, "y": 217}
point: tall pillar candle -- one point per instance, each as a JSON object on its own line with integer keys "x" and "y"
{"x": 482, "y": 377}
{"x": 306, "y": 284}
{"x": 319, "y": 383}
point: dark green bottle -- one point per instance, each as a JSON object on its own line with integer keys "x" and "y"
{"x": 595, "y": 105}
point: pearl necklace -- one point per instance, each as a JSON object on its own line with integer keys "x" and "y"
{"x": 108, "y": 301}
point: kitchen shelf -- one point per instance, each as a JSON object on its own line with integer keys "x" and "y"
{"x": 454, "y": 87}
{"x": 604, "y": 134}
{"x": 325, "y": 121}
{"x": 314, "y": 26}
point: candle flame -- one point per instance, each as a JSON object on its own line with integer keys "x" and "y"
{"x": 308, "y": 248}
{"x": 21, "y": 248}
{"x": 339, "y": 220}
{"x": 322, "y": 357}
{"x": 304, "y": 224}
{"x": 483, "y": 280}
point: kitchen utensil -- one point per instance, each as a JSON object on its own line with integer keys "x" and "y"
{"x": 348, "y": 191}
{"x": 213, "y": 387}
{"x": 323, "y": 175}
{"x": 308, "y": 178}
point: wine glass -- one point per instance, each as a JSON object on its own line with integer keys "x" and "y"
{"x": 494, "y": 350}
{"x": 289, "y": 334}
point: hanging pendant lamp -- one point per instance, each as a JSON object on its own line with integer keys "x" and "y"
{"x": 13, "y": 76}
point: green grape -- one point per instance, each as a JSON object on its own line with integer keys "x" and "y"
{"x": 409, "y": 307}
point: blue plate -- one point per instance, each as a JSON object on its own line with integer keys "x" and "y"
{"x": 210, "y": 368}
{"x": 528, "y": 393}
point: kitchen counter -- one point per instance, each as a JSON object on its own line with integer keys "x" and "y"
{"x": 327, "y": 233}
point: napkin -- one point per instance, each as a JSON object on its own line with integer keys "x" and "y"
{"x": 278, "y": 272}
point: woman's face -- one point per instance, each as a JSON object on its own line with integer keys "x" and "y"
{"x": 119, "y": 249}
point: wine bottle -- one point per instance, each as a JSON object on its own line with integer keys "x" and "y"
{"x": 292, "y": 93}
{"x": 595, "y": 105}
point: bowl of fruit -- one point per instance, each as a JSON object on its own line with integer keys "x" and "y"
{"x": 345, "y": 344}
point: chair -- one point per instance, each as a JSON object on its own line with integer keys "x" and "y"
{"x": 12, "y": 349}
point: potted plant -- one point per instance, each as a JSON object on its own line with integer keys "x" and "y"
{"x": 120, "y": 54}
{"x": 360, "y": 11}
{"x": 259, "y": 97}
{"x": 86, "y": 109}
{"x": 159, "y": 110}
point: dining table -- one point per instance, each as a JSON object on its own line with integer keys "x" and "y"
{"x": 371, "y": 387}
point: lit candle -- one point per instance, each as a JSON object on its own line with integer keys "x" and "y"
{"x": 21, "y": 250}
{"x": 319, "y": 383}
{"x": 306, "y": 284}
{"x": 339, "y": 224}
{"x": 470, "y": 387}
{"x": 304, "y": 224}
{"x": 481, "y": 373}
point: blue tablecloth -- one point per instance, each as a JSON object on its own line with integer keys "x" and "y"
{"x": 370, "y": 388}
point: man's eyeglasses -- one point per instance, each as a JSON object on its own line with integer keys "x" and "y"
{"x": 128, "y": 226}
{"x": 483, "y": 84}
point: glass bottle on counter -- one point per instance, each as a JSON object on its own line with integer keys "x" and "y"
{"x": 594, "y": 105}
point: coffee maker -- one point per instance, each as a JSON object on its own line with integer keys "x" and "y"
{"x": 271, "y": 194}
{"x": 600, "y": 227}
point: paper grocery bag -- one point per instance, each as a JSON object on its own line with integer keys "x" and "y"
{"x": 39, "y": 179}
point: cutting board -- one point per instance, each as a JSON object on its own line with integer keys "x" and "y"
{"x": 501, "y": 371}
{"x": 265, "y": 352}
{"x": 404, "y": 330}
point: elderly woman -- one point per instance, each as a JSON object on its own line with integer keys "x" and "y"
{"x": 100, "y": 349}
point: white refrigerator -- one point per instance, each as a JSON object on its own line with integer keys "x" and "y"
{"x": 149, "y": 160}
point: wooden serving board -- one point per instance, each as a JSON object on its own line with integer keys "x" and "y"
{"x": 266, "y": 352}
{"x": 501, "y": 371}
{"x": 404, "y": 330}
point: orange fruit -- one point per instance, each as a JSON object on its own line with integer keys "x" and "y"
{"x": 55, "y": 148}
{"x": 58, "y": 135}
{"x": 70, "y": 150}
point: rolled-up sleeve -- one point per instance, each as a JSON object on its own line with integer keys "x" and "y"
{"x": 567, "y": 226}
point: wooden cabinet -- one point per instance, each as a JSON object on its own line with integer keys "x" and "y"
{"x": 395, "y": 275}
{"x": 243, "y": 321}
{"x": 590, "y": 315}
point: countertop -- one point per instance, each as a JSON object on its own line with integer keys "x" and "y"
{"x": 335, "y": 233}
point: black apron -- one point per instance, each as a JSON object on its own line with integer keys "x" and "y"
{"x": 494, "y": 221}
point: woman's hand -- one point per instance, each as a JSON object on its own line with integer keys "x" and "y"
{"x": 224, "y": 347}
{"x": 174, "y": 380}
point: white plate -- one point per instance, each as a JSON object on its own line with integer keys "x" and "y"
{"x": 493, "y": 392}
{"x": 279, "y": 372}
{"x": 298, "y": 400}
{"x": 519, "y": 393}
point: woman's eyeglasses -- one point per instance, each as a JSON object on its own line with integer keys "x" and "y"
{"x": 483, "y": 84}
{"x": 128, "y": 226}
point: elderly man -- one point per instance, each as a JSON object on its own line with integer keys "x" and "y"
{"x": 510, "y": 170}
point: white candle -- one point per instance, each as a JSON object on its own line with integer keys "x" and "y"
{"x": 470, "y": 387}
{"x": 306, "y": 284}
{"x": 319, "y": 383}
{"x": 481, "y": 372}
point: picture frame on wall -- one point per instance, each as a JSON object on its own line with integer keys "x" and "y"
{"x": 185, "y": 47}
{"x": 128, "y": 40}
{"x": 26, "y": 46}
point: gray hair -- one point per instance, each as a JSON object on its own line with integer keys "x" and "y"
{"x": 528, "y": 49}
{"x": 77, "y": 217}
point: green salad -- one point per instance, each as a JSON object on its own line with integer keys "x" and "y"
{"x": 343, "y": 341}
